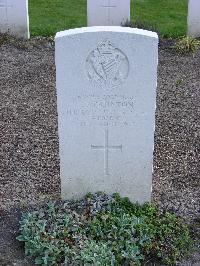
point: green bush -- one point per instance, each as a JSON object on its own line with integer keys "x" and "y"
{"x": 103, "y": 230}
{"x": 186, "y": 45}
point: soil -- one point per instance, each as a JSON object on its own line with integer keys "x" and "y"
{"x": 29, "y": 168}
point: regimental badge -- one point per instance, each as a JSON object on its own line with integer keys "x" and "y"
{"x": 107, "y": 65}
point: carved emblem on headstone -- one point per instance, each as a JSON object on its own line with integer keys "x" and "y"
{"x": 107, "y": 65}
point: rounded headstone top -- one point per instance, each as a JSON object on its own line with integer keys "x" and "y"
{"x": 106, "y": 29}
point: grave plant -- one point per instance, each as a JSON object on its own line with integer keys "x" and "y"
{"x": 187, "y": 44}
{"x": 103, "y": 230}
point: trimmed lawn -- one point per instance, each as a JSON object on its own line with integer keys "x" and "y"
{"x": 49, "y": 16}
{"x": 169, "y": 17}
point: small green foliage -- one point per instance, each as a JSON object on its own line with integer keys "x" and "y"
{"x": 103, "y": 230}
{"x": 95, "y": 253}
{"x": 119, "y": 231}
{"x": 186, "y": 45}
{"x": 140, "y": 24}
{"x": 169, "y": 236}
{"x": 49, "y": 234}
{"x": 179, "y": 81}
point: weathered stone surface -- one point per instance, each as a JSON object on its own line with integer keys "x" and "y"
{"x": 106, "y": 91}
{"x": 14, "y": 18}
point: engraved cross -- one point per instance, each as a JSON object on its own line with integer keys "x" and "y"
{"x": 108, "y": 5}
{"x": 4, "y": 4}
{"x": 106, "y": 149}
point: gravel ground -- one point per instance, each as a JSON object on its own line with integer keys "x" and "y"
{"x": 29, "y": 163}
{"x": 176, "y": 183}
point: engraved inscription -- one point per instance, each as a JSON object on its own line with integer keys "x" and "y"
{"x": 107, "y": 65}
{"x": 106, "y": 148}
{"x": 102, "y": 110}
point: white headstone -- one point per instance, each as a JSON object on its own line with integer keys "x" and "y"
{"x": 14, "y": 18}
{"x": 106, "y": 92}
{"x": 194, "y": 18}
{"x": 108, "y": 12}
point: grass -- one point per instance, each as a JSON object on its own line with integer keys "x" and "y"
{"x": 169, "y": 17}
{"x": 50, "y": 16}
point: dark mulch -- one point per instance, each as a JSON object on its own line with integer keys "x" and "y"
{"x": 29, "y": 168}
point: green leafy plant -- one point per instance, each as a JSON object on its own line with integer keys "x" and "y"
{"x": 103, "y": 230}
{"x": 95, "y": 253}
{"x": 187, "y": 44}
{"x": 159, "y": 235}
{"x": 119, "y": 231}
